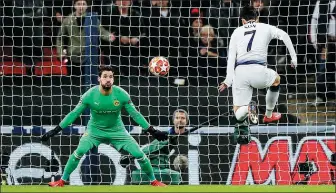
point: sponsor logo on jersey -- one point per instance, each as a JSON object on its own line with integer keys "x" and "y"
{"x": 104, "y": 112}
{"x": 278, "y": 163}
{"x": 116, "y": 103}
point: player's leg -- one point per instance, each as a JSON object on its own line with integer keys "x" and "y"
{"x": 242, "y": 95}
{"x": 86, "y": 143}
{"x": 131, "y": 146}
{"x": 247, "y": 111}
{"x": 262, "y": 77}
{"x": 272, "y": 96}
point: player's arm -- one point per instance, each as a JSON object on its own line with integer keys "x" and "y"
{"x": 74, "y": 114}
{"x": 154, "y": 146}
{"x": 136, "y": 115}
{"x": 314, "y": 24}
{"x": 59, "y": 40}
{"x": 105, "y": 34}
{"x": 140, "y": 120}
{"x": 149, "y": 150}
{"x": 282, "y": 35}
{"x": 68, "y": 119}
{"x": 231, "y": 63}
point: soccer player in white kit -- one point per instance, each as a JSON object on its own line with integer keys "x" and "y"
{"x": 247, "y": 69}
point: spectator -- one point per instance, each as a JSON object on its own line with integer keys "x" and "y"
{"x": 123, "y": 19}
{"x": 323, "y": 37}
{"x": 56, "y": 10}
{"x": 71, "y": 38}
{"x": 264, "y": 12}
{"x": 190, "y": 42}
{"x": 210, "y": 53}
{"x": 60, "y": 10}
{"x": 27, "y": 31}
{"x": 197, "y": 22}
{"x": 225, "y": 18}
{"x": 162, "y": 29}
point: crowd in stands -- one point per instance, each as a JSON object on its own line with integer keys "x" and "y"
{"x": 193, "y": 35}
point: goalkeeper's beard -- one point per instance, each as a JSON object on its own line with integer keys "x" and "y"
{"x": 106, "y": 88}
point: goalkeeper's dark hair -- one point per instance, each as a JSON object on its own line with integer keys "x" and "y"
{"x": 103, "y": 68}
{"x": 248, "y": 13}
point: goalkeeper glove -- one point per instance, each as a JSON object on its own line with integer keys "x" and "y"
{"x": 157, "y": 134}
{"x": 51, "y": 133}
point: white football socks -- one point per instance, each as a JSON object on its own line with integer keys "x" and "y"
{"x": 271, "y": 100}
{"x": 241, "y": 113}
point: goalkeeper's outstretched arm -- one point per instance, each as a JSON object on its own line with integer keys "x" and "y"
{"x": 136, "y": 115}
{"x": 73, "y": 115}
{"x": 139, "y": 119}
{"x": 68, "y": 119}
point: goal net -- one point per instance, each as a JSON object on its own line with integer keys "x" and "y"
{"x": 50, "y": 51}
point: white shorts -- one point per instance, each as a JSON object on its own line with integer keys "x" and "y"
{"x": 248, "y": 77}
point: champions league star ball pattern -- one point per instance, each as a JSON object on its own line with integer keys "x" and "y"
{"x": 159, "y": 66}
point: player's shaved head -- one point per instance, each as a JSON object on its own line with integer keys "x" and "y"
{"x": 248, "y": 13}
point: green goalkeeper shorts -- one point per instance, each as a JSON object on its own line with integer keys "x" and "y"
{"x": 126, "y": 143}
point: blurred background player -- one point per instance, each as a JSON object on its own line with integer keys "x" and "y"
{"x": 159, "y": 153}
{"x": 105, "y": 126}
{"x": 247, "y": 69}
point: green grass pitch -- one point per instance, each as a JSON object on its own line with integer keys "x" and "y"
{"x": 182, "y": 188}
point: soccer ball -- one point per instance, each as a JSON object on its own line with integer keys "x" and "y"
{"x": 180, "y": 163}
{"x": 159, "y": 66}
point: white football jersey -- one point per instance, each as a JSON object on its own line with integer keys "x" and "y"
{"x": 249, "y": 45}
{"x": 252, "y": 42}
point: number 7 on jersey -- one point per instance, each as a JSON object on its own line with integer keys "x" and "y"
{"x": 251, "y": 40}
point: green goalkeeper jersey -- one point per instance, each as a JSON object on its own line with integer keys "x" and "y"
{"x": 105, "y": 116}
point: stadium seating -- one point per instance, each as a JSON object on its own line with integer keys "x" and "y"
{"x": 9, "y": 68}
{"x": 50, "y": 65}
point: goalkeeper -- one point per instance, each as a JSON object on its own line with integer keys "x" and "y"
{"x": 159, "y": 151}
{"x": 105, "y": 125}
